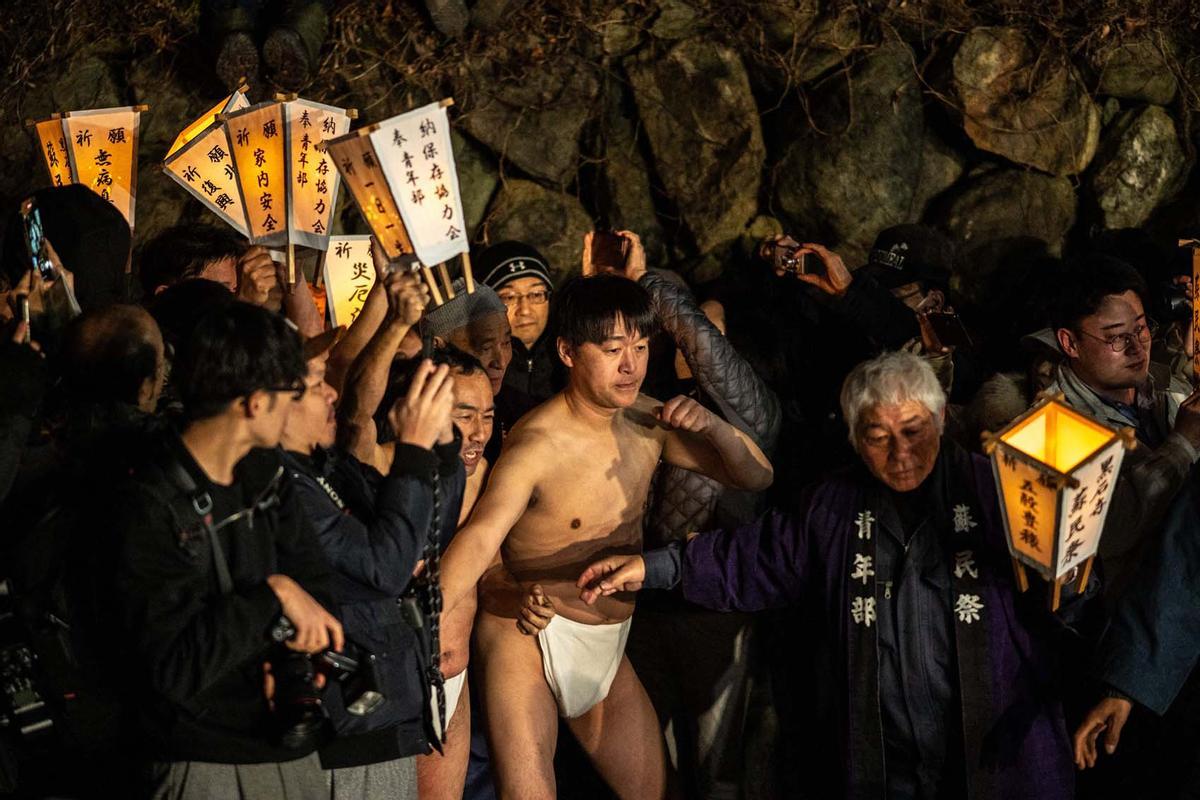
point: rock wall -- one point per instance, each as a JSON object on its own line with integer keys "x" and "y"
{"x": 700, "y": 123}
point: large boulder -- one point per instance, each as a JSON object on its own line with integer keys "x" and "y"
{"x": 553, "y": 222}
{"x": 677, "y": 19}
{"x": 1140, "y": 165}
{"x": 870, "y": 163}
{"x": 1025, "y": 105}
{"x": 1002, "y": 209}
{"x": 1138, "y": 69}
{"x": 477, "y": 179}
{"x": 628, "y": 195}
{"x": 702, "y": 124}
{"x": 162, "y": 203}
{"x": 155, "y": 81}
{"x": 533, "y": 123}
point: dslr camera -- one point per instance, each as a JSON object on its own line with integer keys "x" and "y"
{"x": 299, "y": 713}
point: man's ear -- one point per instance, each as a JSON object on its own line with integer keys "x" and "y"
{"x": 439, "y": 342}
{"x": 1066, "y": 341}
{"x": 565, "y": 352}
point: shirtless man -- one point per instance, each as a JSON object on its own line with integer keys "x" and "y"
{"x": 569, "y": 488}
{"x": 443, "y": 775}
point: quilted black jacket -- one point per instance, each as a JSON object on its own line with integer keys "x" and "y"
{"x": 683, "y": 501}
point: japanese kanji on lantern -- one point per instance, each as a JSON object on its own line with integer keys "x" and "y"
{"x": 349, "y": 275}
{"x": 1056, "y": 470}
{"x": 402, "y": 176}
{"x": 52, "y": 142}
{"x": 313, "y": 182}
{"x": 97, "y": 148}
{"x": 199, "y": 160}
{"x": 259, "y": 156}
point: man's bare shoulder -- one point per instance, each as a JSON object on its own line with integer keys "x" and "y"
{"x": 642, "y": 417}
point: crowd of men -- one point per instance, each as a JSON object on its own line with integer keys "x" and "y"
{"x": 739, "y": 538}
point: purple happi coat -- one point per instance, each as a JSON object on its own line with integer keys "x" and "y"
{"x": 1015, "y": 740}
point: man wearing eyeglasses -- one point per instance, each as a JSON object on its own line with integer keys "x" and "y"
{"x": 520, "y": 276}
{"x": 1101, "y": 325}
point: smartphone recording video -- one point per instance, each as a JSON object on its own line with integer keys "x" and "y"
{"x": 34, "y": 239}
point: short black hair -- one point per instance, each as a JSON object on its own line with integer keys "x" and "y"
{"x": 401, "y": 374}
{"x": 1085, "y": 282}
{"x": 107, "y": 355}
{"x": 587, "y": 309}
{"x": 183, "y": 251}
{"x": 233, "y": 351}
{"x": 179, "y": 307}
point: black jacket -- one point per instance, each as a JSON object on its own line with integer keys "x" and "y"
{"x": 193, "y": 656}
{"x": 373, "y": 530}
{"x": 683, "y": 501}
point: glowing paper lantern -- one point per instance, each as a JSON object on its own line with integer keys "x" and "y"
{"x": 256, "y": 139}
{"x": 349, "y": 272}
{"x": 417, "y": 157}
{"x": 52, "y": 142}
{"x": 97, "y": 148}
{"x": 402, "y": 176}
{"x": 354, "y": 158}
{"x": 313, "y": 181}
{"x": 1056, "y": 471}
{"x": 199, "y": 160}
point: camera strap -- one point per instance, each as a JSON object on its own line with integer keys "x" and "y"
{"x": 200, "y": 503}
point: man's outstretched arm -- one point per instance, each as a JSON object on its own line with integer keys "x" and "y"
{"x": 702, "y": 442}
{"x": 503, "y": 502}
{"x": 760, "y": 565}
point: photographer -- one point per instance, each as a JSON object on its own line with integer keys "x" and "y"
{"x": 375, "y": 529}
{"x": 211, "y": 560}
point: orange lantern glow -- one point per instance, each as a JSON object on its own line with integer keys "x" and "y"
{"x": 257, "y": 142}
{"x": 97, "y": 148}
{"x": 1056, "y": 471}
{"x": 355, "y": 159}
{"x": 349, "y": 271}
{"x": 199, "y": 160}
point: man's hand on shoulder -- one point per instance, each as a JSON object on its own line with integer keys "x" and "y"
{"x": 611, "y": 575}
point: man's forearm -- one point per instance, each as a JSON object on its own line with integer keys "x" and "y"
{"x": 298, "y": 306}
{"x": 366, "y": 382}
{"x": 745, "y": 464}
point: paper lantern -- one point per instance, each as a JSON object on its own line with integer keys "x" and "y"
{"x": 313, "y": 181}
{"x": 53, "y": 145}
{"x": 402, "y": 176}
{"x": 199, "y": 160}
{"x": 97, "y": 148}
{"x": 349, "y": 272}
{"x": 1056, "y": 470}
{"x": 259, "y": 150}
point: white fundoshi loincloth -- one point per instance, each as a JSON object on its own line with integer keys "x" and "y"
{"x": 453, "y": 688}
{"x": 580, "y": 661}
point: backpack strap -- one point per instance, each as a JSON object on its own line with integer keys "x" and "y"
{"x": 194, "y": 501}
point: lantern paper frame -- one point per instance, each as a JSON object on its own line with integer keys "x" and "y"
{"x": 331, "y": 287}
{"x": 56, "y": 133}
{"x": 198, "y": 133}
{"x": 1038, "y": 461}
{"x": 356, "y": 161}
{"x": 373, "y": 178}
{"x": 297, "y": 233}
{"x": 249, "y": 176}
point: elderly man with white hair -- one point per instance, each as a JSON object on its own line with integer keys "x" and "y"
{"x": 940, "y": 674}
